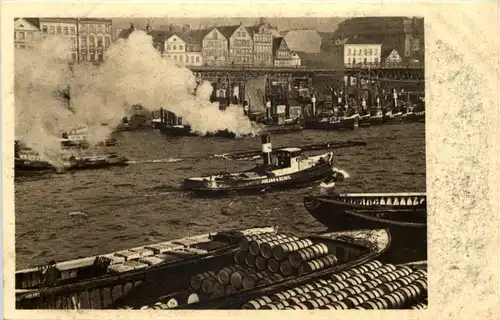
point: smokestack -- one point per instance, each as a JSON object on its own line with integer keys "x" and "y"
{"x": 266, "y": 149}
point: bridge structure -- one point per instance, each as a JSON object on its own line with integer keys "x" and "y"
{"x": 382, "y": 75}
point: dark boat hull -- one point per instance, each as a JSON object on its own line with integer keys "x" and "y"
{"x": 296, "y": 180}
{"x": 408, "y": 225}
{"x": 25, "y": 166}
{"x": 342, "y": 124}
{"x": 185, "y": 130}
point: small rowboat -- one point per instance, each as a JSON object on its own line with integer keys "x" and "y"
{"x": 404, "y": 213}
{"x": 197, "y": 272}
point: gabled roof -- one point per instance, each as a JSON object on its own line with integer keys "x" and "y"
{"x": 193, "y": 36}
{"x": 34, "y": 21}
{"x": 227, "y": 31}
{"x": 359, "y": 40}
{"x": 386, "y": 51}
{"x": 277, "y": 42}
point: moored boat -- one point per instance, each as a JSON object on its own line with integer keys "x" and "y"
{"x": 283, "y": 168}
{"x": 223, "y": 270}
{"x": 78, "y": 138}
{"x": 331, "y": 122}
{"x": 404, "y": 213}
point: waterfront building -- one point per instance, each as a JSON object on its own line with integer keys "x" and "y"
{"x": 214, "y": 48}
{"x": 263, "y": 35}
{"x": 281, "y": 53}
{"x": 390, "y": 56}
{"x": 90, "y": 36}
{"x": 295, "y": 59}
{"x": 185, "y": 48}
{"x": 240, "y": 45}
{"x": 26, "y": 32}
{"x": 356, "y": 52}
{"x": 405, "y": 34}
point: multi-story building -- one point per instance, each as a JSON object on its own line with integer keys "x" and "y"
{"x": 90, "y": 36}
{"x": 405, "y": 34}
{"x": 240, "y": 45}
{"x": 263, "y": 35}
{"x": 184, "y": 48}
{"x": 281, "y": 53}
{"x": 26, "y": 32}
{"x": 94, "y": 38}
{"x": 215, "y": 48}
{"x": 296, "y": 61}
{"x": 356, "y": 52}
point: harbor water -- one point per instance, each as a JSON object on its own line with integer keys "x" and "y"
{"x": 72, "y": 215}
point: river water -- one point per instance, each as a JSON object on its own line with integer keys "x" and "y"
{"x": 66, "y": 216}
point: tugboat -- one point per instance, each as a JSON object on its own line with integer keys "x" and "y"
{"x": 258, "y": 268}
{"x": 404, "y": 213}
{"x": 283, "y": 168}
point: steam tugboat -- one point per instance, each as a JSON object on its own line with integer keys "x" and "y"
{"x": 404, "y": 213}
{"x": 283, "y": 168}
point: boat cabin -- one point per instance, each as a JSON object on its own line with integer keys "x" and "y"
{"x": 286, "y": 158}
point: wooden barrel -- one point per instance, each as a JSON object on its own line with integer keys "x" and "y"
{"x": 261, "y": 263}
{"x": 239, "y": 257}
{"x": 266, "y": 248}
{"x": 287, "y": 269}
{"x": 300, "y": 256}
{"x": 279, "y": 305}
{"x": 251, "y": 280}
{"x": 224, "y": 274}
{"x": 236, "y": 279}
{"x": 219, "y": 290}
{"x": 207, "y": 286}
{"x": 318, "y": 264}
{"x": 245, "y": 241}
{"x": 281, "y": 250}
{"x": 230, "y": 290}
{"x": 197, "y": 280}
{"x": 193, "y": 298}
{"x": 255, "y": 244}
{"x": 172, "y": 303}
{"x": 250, "y": 260}
{"x": 257, "y": 303}
{"x": 273, "y": 265}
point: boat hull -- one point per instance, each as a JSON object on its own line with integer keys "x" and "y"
{"x": 407, "y": 224}
{"x": 294, "y": 180}
{"x": 22, "y": 165}
{"x": 314, "y": 123}
{"x": 185, "y": 130}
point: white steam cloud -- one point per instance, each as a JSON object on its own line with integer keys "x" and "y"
{"x": 133, "y": 73}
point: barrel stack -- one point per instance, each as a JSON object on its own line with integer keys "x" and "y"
{"x": 372, "y": 285}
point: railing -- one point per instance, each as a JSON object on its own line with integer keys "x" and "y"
{"x": 389, "y": 199}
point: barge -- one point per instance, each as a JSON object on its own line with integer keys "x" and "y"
{"x": 255, "y": 268}
{"x": 283, "y": 168}
{"x": 405, "y": 214}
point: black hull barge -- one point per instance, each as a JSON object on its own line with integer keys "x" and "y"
{"x": 284, "y": 168}
{"x": 332, "y": 122}
{"x": 405, "y": 214}
{"x": 256, "y": 268}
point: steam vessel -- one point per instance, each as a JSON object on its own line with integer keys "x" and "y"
{"x": 283, "y": 168}
{"x": 404, "y": 213}
{"x": 255, "y": 268}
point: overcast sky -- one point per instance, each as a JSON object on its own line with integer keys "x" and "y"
{"x": 320, "y": 24}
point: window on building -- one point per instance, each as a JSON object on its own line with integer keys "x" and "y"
{"x": 181, "y": 47}
{"x": 214, "y": 35}
{"x": 360, "y": 52}
{"x": 22, "y": 46}
{"x": 52, "y": 29}
{"x": 192, "y": 59}
{"x": 92, "y": 57}
{"x": 83, "y": 55}
{"x": 15, "y": 35}
{"x": 72, "y": 30}
{"x": 74, "y": 44}
{"x": 22, "y": 36}
{"x": 99, "y": 41}
{"x": 99, "y": 28}
{"x": 65, "y": 30}
{"x": 58, "y": 30}
{"x": 168, "y": 47}
{"x": 175, "y": 57}
{"x": 45, "y": 29}
{"x": 370, "y": 52}
{"x": 174, "y": 47}
{"x": 187, "y": 59}
{"x": 83, "y": 41}
{"x": 91, "y": 41}
{"x": 197, "y": 59}
{"x": 93, "y": 28}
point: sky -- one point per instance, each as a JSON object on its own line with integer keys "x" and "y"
{"x": 320, "y": 24}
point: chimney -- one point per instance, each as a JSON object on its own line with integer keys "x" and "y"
{"x": 266, "y": 149}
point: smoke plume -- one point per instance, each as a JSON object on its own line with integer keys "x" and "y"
{"x": 133, "y": 73}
